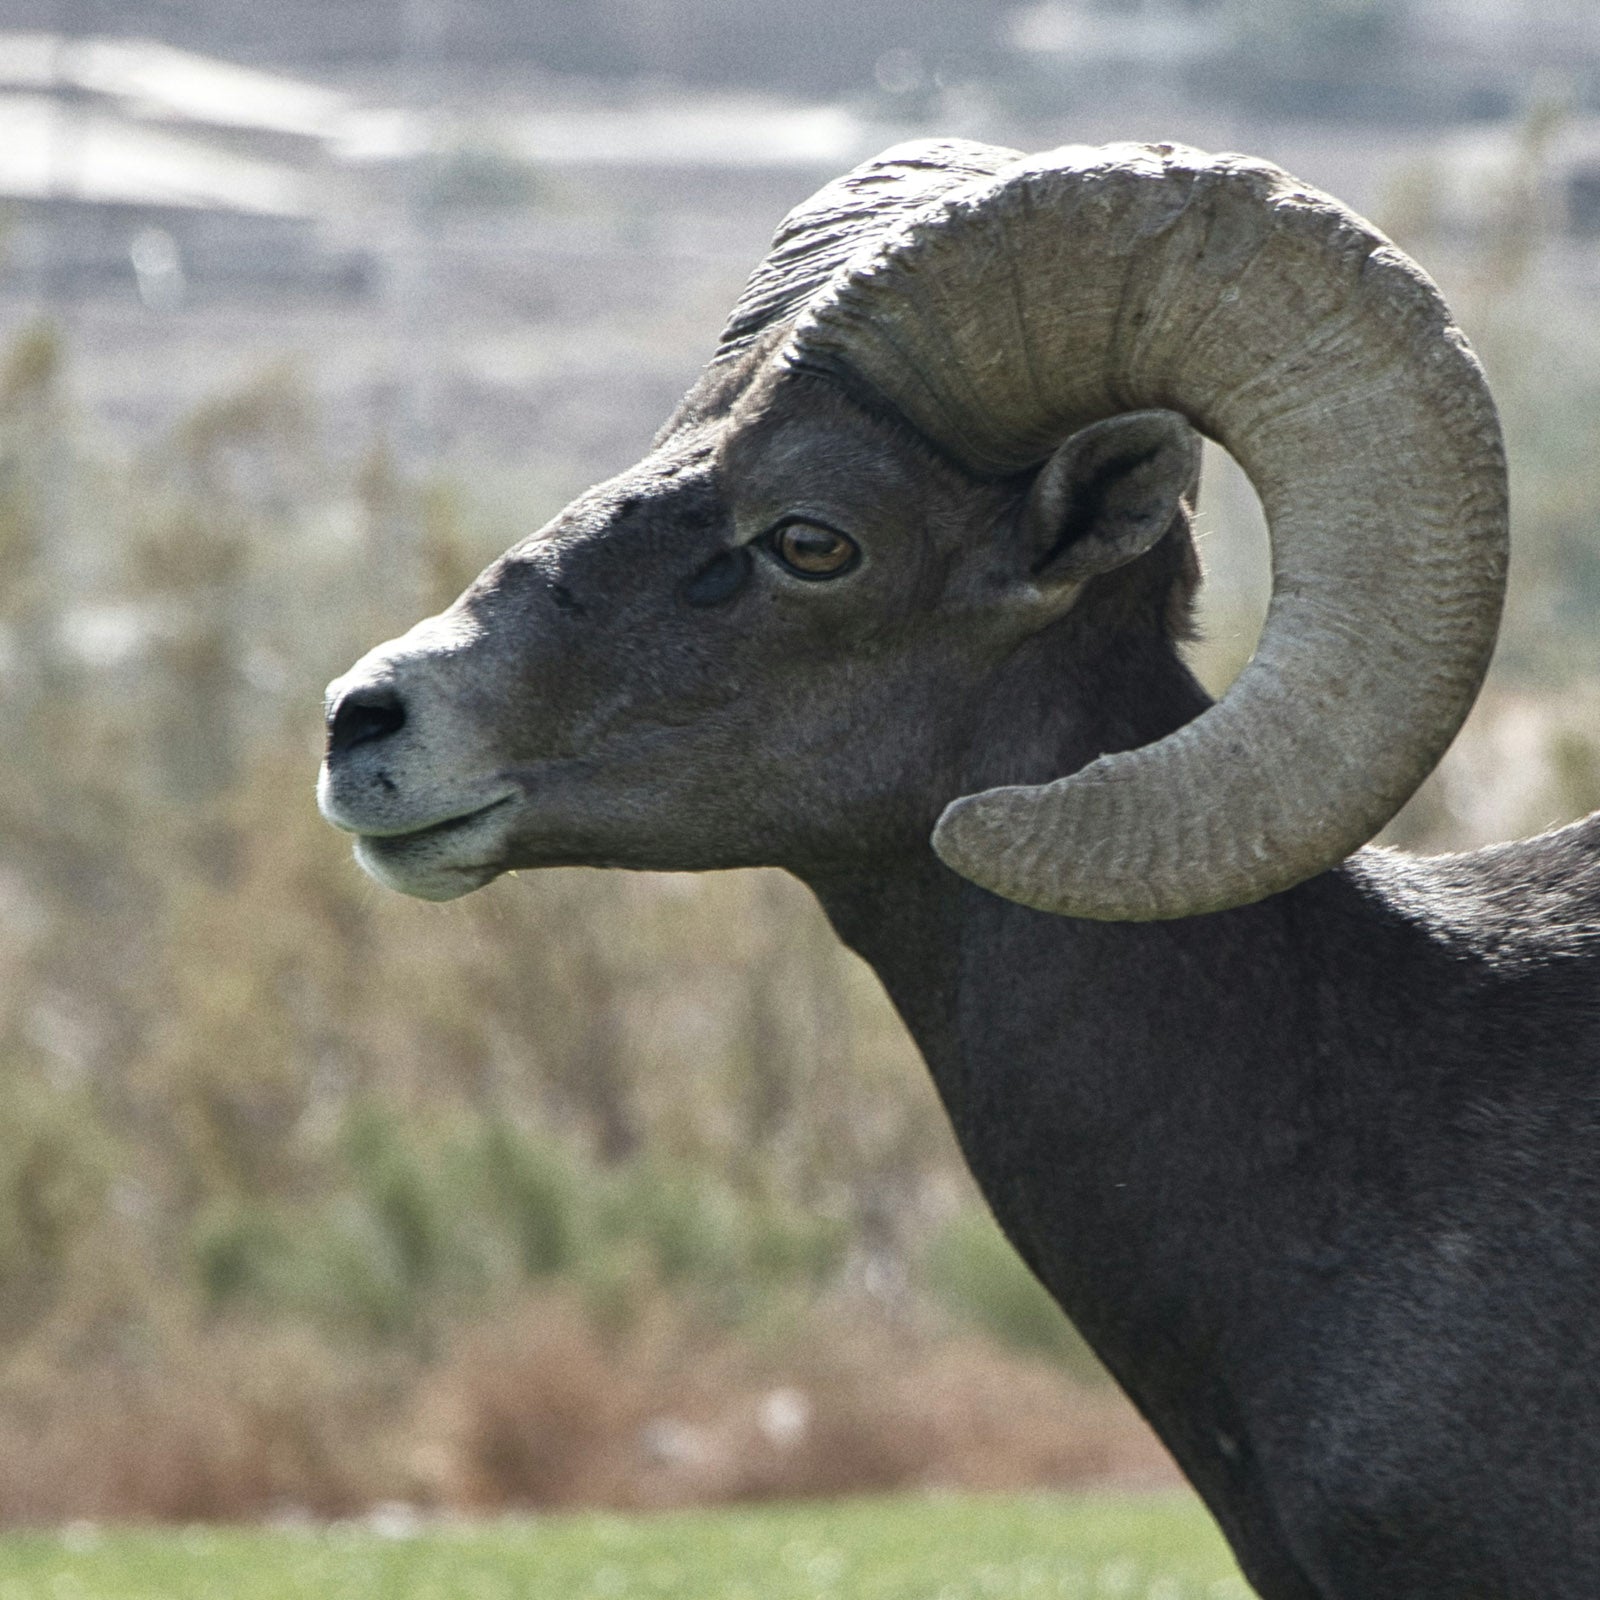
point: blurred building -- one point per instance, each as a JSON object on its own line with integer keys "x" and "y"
{"x": 1505, "y": 52}
{"x": 1546, "y": 179}
{"x": 1394, "y": 62}
{"x": 129, "y": 162}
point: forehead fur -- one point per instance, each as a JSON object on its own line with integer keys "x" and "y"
{"x": 760, "y": 391}
{"x": 806, "y": 415}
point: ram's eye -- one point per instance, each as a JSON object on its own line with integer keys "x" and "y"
{"x": 811, "y": 551}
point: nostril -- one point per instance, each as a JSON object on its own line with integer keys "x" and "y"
{"x": 362, "y": 715}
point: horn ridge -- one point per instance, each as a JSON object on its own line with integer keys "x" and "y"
{"x": 819, "y": 237}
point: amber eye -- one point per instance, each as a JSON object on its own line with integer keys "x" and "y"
{"x": 811, "y": 551}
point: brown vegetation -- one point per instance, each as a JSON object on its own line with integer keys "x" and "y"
{"x": 594, "y": 1187}
{"x": 846, "y": 1404}
{"x": 311, "y": 1197}
{"x": 542, "y": 1406}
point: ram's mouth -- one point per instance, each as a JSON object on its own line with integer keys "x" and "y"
{"x": 440, "y": 861}
{"x": 434, "y": 830}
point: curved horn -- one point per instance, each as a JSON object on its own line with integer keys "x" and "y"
{"x": 1086, "y": 282}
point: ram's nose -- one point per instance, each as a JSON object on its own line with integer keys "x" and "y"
{"x": 361, "y": 713}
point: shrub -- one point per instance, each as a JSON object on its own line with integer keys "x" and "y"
{"x": 56, "y": 1165}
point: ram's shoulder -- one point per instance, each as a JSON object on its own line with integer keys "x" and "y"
{"x": 1545, "y": 887}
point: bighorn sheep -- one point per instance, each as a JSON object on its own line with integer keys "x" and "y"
{"x": 1306, "y": 1141}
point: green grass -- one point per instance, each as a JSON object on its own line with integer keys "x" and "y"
{"x": 1031, "y": 1548}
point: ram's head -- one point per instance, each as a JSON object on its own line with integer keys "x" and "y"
{"x": 938, "y": 465}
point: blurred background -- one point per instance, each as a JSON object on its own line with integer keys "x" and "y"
{"x": 592, "y": 1188}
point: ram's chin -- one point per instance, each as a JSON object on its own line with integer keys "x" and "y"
{"x": 420, "y": 870}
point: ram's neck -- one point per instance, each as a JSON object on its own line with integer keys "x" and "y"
{"x": 1126, "y": 1094}
{"x": 1140, "y": 1103}
{"x": 1095, "y": 1073}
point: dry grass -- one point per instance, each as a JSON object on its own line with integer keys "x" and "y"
{"x": 543, "y": 1406}
{"x": 231, "y": 1426}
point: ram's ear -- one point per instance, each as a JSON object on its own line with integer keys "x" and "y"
{"x": 1107, "y": 495}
